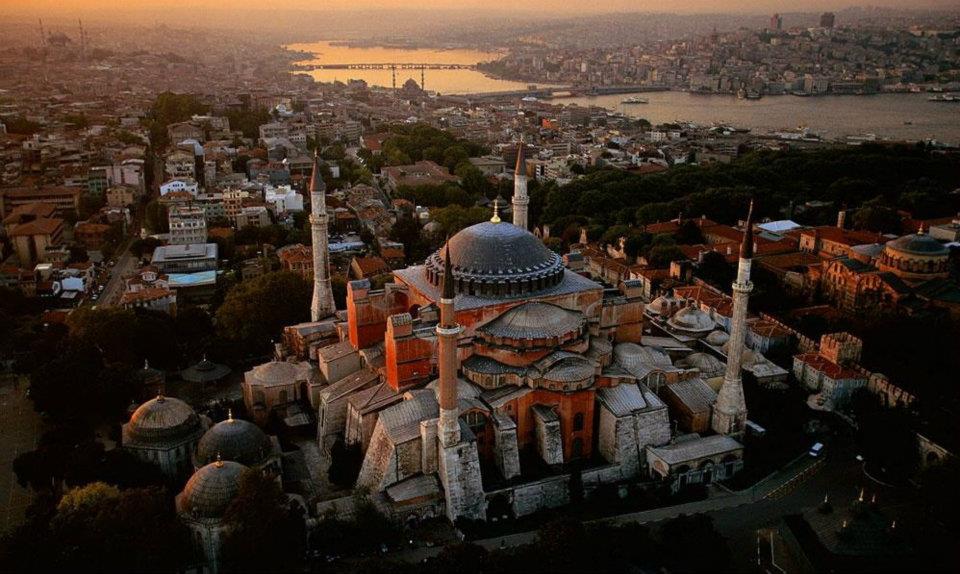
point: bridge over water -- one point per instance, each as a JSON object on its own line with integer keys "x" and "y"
{"x": 394, "y": 66}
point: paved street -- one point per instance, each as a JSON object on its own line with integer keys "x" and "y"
{"x": 125, "y": 265}
{"x": 19, "y": 432}
{"x": 800, "y": 485}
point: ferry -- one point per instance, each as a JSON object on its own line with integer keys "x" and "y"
{"x": 635, "y": 100}
{"x": 945, "y": 98}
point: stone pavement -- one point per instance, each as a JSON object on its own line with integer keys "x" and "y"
{"x": 20, "y": 430}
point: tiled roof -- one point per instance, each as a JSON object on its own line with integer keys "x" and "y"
{"x": 821, "y": 364}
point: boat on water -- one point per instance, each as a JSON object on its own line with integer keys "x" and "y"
{"x": 635, "y": 100}
{"x": 945, "y": 98}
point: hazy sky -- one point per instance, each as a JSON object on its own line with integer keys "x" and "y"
{"x": 586, "y": 6}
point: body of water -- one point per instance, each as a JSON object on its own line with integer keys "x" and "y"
{"x": 440, "y": 81}
{"x": 892, "y": 116}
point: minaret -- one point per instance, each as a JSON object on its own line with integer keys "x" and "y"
{"x": 520, "y": 199}
{"x": 730, "y": 410}
{"x": 322, "y": 305}
{"x": 447, "y": 332}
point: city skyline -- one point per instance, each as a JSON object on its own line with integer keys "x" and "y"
{"x": 53, "y": 7}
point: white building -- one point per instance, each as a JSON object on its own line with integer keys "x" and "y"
{"x": 188, "y": 185}
{"x": 283, "y": 198}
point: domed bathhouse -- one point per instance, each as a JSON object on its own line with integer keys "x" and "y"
{"x": 239, "y": 441}
{"x": 203, "y": 503}
{"x": 164, "y": 431}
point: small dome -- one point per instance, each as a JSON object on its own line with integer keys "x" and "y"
{"x": 692, "y": 319}
{"x": 708, "y": 365}
{"x": 234, "y": 439}
{"x": 918, "y": 244}
{"x": 718, "y": 338}
{"x": 163, "y": 418}
{"x": 663, "y": 305}
{"x": 280, "y": 373}
{"x": 632, "y": 354}
{"x": 211, "y": 489}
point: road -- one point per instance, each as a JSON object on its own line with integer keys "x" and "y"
{"x": 125, "y": 265}
{"x": 799, "y": 485}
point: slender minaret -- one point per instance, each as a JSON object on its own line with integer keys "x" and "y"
{"x": 730, "y": 410}
{"x": 447, "y": 332}
{"x": 520, "y": 199}
{"x": 322, "y": 305}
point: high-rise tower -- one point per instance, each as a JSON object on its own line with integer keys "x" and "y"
{"x": 730, "y": 410}
{"x": 520, "y": 199}
{"x": 322, "y": 305}
{"x": 447, "y": 332}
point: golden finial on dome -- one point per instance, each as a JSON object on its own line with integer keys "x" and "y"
{"x": 219, "y": 462}
{"x": 496, "y": 211}
{"x": 160, "y": 396}
{"x": 230, "y": 415}
{"x": 921, "y": 231}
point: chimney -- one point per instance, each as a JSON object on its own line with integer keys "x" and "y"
{"x": 841, "y": 218}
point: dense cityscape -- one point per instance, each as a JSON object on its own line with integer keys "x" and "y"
{"x": 267, "y": 310}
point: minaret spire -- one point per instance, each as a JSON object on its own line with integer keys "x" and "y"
{"x": 322, "y": 305}
{"x": 447, "y": 333}
{"x": 730, "y": 410}
{"x": 520, "y": 199}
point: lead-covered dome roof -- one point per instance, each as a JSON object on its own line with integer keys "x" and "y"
{"x": 211, "y": 489}
{"x": 918, "y": 244}
{"x": 234, "y": 439}
{"x": 490, "y": 259}
{"x": 535, "y": 320}
{"x": 163, "y": 419}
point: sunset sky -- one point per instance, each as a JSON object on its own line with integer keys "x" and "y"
{"x": 592, "y": 6}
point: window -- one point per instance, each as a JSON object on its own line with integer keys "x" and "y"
{"x": 475, "y": 419}
{"x": 578, "y": 422}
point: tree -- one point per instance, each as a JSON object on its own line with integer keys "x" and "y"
{"x": 408, "y": 232}
{"x": 266, "y": 532}
{"x": 876, "y": 215}
{"x": 662, "y": 255}
{"x": 255, "y": 312}
{"x": 156, "y": 217}
{"x": 714, "y": 269}
{"x": 100, "y": 528}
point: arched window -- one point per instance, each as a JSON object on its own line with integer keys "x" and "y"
{"x": 578, "y": 422}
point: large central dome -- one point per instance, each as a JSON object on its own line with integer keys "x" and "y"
{"x": 497, "y": 259}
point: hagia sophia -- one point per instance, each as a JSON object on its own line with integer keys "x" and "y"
{"x": 478, "y": 384}
{"x": 479, "y": 380}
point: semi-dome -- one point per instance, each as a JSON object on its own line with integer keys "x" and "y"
{"x": 533, "y": 321}
{"x": 234, "y": 440}
{"x": 163, "y": 419}
{"x": 497, "y": 259}
{"x": 211, "y": 489}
